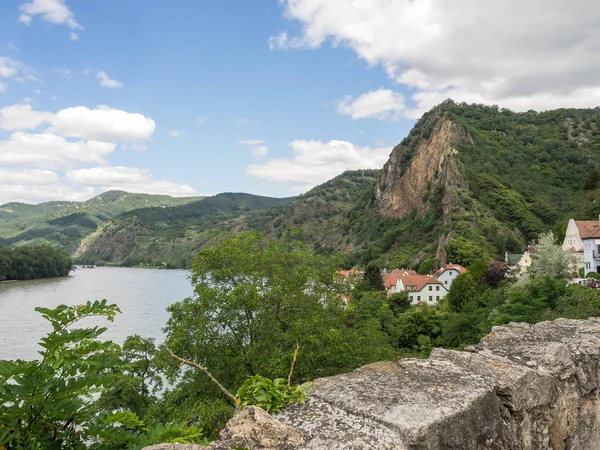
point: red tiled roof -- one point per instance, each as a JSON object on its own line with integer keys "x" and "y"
{"x": 403, "y": 272}
{"x": 588, "y": 228}
{"x": 457, "y": 267}
{"x": 390, "y": 280}
{"x": 419, "y": 281}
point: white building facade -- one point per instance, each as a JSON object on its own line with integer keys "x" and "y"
{"x": 448, "y": 274}
{"x": 591, "y": 254}
{"x": 422, "y": 289}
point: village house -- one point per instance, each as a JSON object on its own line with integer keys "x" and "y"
{"x": 390, "y": 278}
{"x": 521, "y": 262}
{"x": 448, "y": 273}
{"x": 422, "y": 289}
{"x": 583, "y": 240}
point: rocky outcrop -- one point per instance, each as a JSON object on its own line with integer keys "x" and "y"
{"x": 522, "y": 387}
{"x": 415, "y": 169}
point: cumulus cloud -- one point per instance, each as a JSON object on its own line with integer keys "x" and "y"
{"x": 73, "y": 36}
{"x": 53, "y": 11}
{"x": 35, "y": 177}
{"x": 102, "y": 124}
{"x": 46, "y": 150}
{"x": 106, "y": 81}
{"x": 22, "y": 117}
{"x": 129, "y": 179}
{"x": 315, "y": 162}
{"x": 516, "y": 54}
{"x": 382, "y": 104}
{"x": 28, "y": 193}
{"x": 258, "y": 151}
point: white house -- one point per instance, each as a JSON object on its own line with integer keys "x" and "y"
{"x": 583, "y": 238}
{"x": 421, "y": 288}
{"x": 448, "y": 273}
{"x": 591, "y": 250}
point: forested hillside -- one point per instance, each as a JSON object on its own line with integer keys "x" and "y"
{"x": 468, "y": 181}
{"x": 169, "y": 236}
{"x": 473, "y": 180}
{"x": 64, "y": 224}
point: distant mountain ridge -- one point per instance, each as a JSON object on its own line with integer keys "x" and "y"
{"x": 468, "y": 181}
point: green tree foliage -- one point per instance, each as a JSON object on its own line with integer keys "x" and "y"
{"x": 372, "y": 281}
{"x": 270, "y": 395}
{"x": 592, "y": 182}
{"x": 550, "y": 259}
{"x": 256, "y": 298}
{"x": 27, "y": 263}
{"x": 46, "y": 403}
{"x": 134, "y": 386}
{"x": 462, "y": 293}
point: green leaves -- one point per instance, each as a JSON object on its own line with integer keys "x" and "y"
{"x": 270, "y": 395}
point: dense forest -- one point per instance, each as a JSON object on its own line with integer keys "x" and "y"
{"x": 28, "y": 263}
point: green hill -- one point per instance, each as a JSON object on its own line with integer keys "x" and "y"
{"x": 65, "y": 223}
{"x": 169, "y": 235}
{"x": 468, "y": 181}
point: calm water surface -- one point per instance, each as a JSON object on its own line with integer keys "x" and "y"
{"x": 142, "y": 295}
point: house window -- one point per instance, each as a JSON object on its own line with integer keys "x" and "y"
{"x": 437, "y": 297}
{"x": 437, "y": 288}
{"x": 431, "y": 288}
{"x": 430, "y": 298}
{"x": 445, "y": 281}
{"x": 418, "y": 298}
{"x": 450, "y": 273}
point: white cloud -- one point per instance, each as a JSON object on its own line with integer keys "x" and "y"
{"x": 31, "y": 177}
{"x": 251, "y": 142}
{"x": 106, "y": 81}
{"x": 129, "y": 179}
{"x": 315, "y": 162}
{"x": 381, "y": 104}
{"x": 516, "y": 54}
{"x": 13, "y": 47}
{"x": 260, "y": 152}
{"x": 202, "y": 119}
{"x": 46, "y": 150}
{"x": 102, "y": 123}
{"x": 11, "y": 68}
{"x": 52, "y": 11}
{"x": 176, "y": 133}
{"x": 135, "y": 146}
{"x": 28, "y": 193}
{"x": 73, "y": 36}
{"x": 22, "y": 117}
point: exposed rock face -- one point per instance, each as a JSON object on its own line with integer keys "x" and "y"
{"x": 421, "y": 166}
{"x": 254, "y": 428}
{"x": 522, "y": 387}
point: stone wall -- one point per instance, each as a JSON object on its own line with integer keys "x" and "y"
{"x": 522, "y": 387}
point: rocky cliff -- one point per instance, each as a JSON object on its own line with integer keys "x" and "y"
{"x": 421, "y": 165}
{"x": 522, "y": 387}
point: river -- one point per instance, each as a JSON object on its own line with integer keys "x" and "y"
{"x": 142, "y": 295}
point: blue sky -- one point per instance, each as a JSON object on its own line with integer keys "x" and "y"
{"x": 260, "y": 96}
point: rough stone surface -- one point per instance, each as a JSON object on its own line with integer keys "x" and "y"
{"x": 254, "y": 428}
{"x": 522, "y": 387}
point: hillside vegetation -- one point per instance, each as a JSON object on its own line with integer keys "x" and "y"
{"x": 169, "y": 236}
{"x": 64, "y": 224}
{"x": 505, "y": 178}
{"x": 468, "y": 181}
